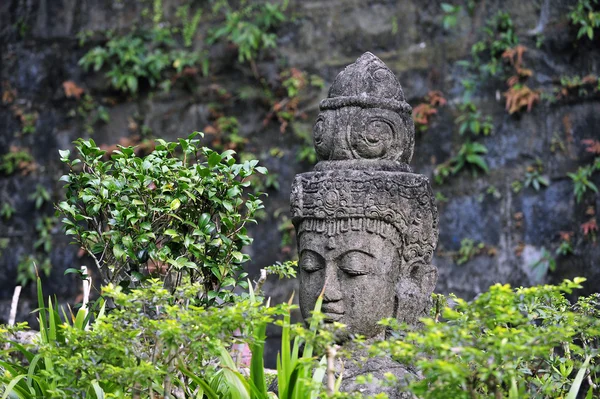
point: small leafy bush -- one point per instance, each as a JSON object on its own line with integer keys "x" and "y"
{"x": 140, "y": 56}
{"x": 157, "y": 344}
{"x": 472, "y": 121}
{"x": 586, "y": 16}
{"x": 507, "y": 343}
{"x": 250, "y": 27}
{"x": 582, "y": 182}
{"x": 470, "y": 155}
{"x": 178, "y": 213}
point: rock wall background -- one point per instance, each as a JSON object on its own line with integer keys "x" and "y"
{"x": 40, "y": 50}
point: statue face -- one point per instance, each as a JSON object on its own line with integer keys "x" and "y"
{"x": 357, "y": 270}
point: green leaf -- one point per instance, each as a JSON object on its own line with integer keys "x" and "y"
{"x": 175, "y": 204}
{"x": 261, "y": 169}
{"x": 171, "y": 233}
{"x": 214, "y": 159}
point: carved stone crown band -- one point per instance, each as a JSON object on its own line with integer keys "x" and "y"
{"x": 400, "y": 200}
{"x": 365, "y": 102}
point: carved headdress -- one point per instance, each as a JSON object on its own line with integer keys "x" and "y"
{"x": 364, "y": 139}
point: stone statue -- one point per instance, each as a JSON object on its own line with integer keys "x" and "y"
{"x": 366, "y": 225}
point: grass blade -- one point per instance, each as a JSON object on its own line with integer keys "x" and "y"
{"x": 97, "y": 390}
{"x": 578, "y": 379}
{"x": 12, "y": 387}
{"x": 257, "y": 366}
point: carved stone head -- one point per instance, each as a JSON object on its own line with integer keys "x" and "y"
{"x": 366, "y": 226}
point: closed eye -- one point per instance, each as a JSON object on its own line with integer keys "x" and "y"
{"x": 356, "y": 263}
{"x": 311, "y": 261}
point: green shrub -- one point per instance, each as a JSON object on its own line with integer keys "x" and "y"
{"x": 178, "y": 213}
{"x": 157, "y": 343}
{"x": 507, "y": 343}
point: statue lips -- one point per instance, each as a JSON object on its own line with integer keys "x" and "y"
{"x": 333, "y": 311}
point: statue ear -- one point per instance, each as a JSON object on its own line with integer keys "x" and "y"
{"x": 427, "y": 278}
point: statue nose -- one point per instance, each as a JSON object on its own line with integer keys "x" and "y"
{"x": 332, "y": 291}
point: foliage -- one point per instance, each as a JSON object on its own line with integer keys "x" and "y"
{"x": 520, "y": 96}
{"x": 534, "y": 177}
{"x": 156, "y": 343}
{"x": 450, "y": 17}
{"x": 29, "y": 121}
{"x": 468, "y": 249}
{"x": 499, "y": 35}
{"x": 472, "y": 121}
{"x": 88, "y": 110}
{"x": 7, "y": 210}
{"x": 565, "y": 247}
{"x": 30, "y": 266}
{"x": 286, "y": 269}
{"x": 36, "y": 376}
{"x": 590, "y": 228}
{"x": 506, "y": 343}
{"x": 545, "y": 263}
{"x": 44, "y": 228}
{"x": 585, "y": 15}
{"x": 577, "y": 86}
{"x": 249, "y": 27}
{"x": 40, "y": 196}
{"x": 423, "y": 111}
{"x": 134, "y": 57}
{"x": 470, "y": 155}
{"x": 582, "y": 182}
{"x": 190, "y": 23}
{"x": 16, "y": 160}
{"x": 178, "y": 213}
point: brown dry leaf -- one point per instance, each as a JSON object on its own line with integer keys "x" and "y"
{"x": 566, "y": 120}
{"x": 589, "y": 227}
{"x": 589, "y": 79}
{"x": 422, "y": 112}
{"x": 592, "y": 146}
{"x": 8, "y": 93}
{"x": 519, "y": 249}
{"x": 210, "y": 129}
{"x": 72, "y": 90}
{"x": 513, "y": 80}
{"x": 520, "y": 96}
{"x": 132, "y": 125}
{"x": 436, "y": 98}
{"x": 590, "y": 211}
{"x": 565, "y": 235}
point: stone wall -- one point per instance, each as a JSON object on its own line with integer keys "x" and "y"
{"x": 39, "y": 51}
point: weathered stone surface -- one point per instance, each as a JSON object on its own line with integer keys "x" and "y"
{"x": 366, "y": 226}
